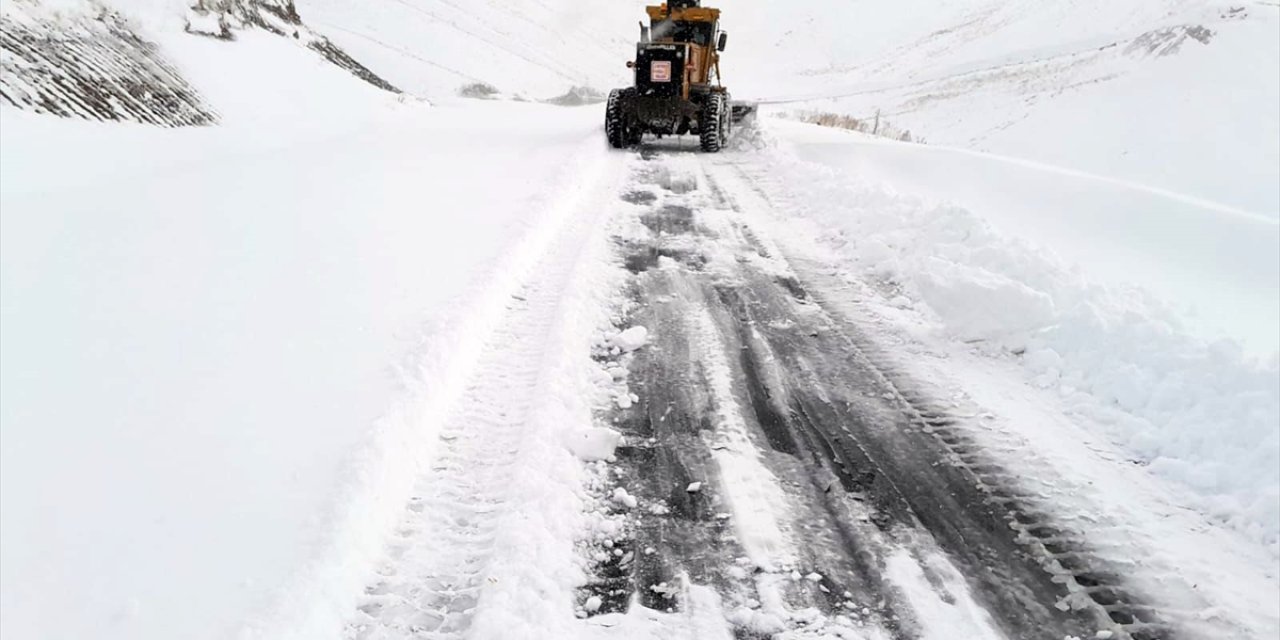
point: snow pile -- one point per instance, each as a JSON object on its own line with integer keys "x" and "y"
{"x": 594, "y": 444}
{"x": 577, "y": 97}
{"x": 1203, "y": 414}
{"x": 630, "y": 339}
{"x": 625, "y": 499}
{"x": 756, "y": 621}
{"x": 1215, "y": 264}
{"x": 980, "y": 304}
{"x": 678, "y": 175}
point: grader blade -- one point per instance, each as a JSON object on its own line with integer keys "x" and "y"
{"x": 743, "y": 111}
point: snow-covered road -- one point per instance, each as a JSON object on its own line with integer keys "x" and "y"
{"x": 396, "y": 348}
{"x": 409, "y": 353}
{"x": 792, "y": 460}
{"x": 811, "y": 466}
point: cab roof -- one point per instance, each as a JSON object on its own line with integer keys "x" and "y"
{"x": 687, "y": 14}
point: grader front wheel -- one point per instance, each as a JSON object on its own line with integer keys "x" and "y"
{"x": 714, "y": 124}
{"x": 618, "y": 127}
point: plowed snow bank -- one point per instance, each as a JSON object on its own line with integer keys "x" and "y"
{"x": 1198, "y": 411}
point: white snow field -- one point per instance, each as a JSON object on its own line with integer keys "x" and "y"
{"x": 534, "y": 50}
{"x": 279, "y": 376}
{"x": 224, "y": 347}
{"x": 1173, "y": 94}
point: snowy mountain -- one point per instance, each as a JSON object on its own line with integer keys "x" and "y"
{"x": 1168, "y": 93}
{"x": 322, "y": 319}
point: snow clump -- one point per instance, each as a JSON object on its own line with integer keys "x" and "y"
{"x": 631, "y": 339}
{"x": 756, "y": 621}
{"x": 625, "y": 499}
{"x": 594, "y": 444}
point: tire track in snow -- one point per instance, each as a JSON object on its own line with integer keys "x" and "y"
{"x": 768, "y": 542}
{"x": 1091, "y": 583}
{"x": 439, "y": 555}
{"x": 440, "y": 558}
{"x": 882, "y": 535}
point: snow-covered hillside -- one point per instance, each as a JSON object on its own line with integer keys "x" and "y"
{"x": 334, "y": 331}
{"x": 536, "y": 50}
{"x": 218, "y": 345}
{"x": 1174, "y": 94}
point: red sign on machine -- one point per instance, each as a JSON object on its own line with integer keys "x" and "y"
{"x": 660, "y": 71}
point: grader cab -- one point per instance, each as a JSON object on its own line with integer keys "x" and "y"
{"x": 677, "y": 87}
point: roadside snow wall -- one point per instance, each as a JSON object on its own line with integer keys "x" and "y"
{"x": 1198, "y": 411}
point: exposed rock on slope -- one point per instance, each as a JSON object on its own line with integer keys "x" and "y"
{"x": 93, "y": 64}
{"x": 93, "y": 67}
{"x": 220, "y": 19}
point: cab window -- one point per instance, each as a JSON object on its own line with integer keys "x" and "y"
{"x": 698, "y": 33}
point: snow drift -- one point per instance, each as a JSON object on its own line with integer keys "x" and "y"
{"x": 1196, "y": 410}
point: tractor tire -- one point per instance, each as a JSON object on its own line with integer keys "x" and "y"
{"x": 616, "y": 122}
{"x": 714, "y": 124}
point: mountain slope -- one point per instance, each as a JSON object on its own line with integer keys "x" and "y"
{"x": 1173, "y": 94}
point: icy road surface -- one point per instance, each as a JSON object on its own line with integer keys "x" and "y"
{"x": 782, "y": 465}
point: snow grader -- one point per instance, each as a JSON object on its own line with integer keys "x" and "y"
{"x": 677, "y": 87}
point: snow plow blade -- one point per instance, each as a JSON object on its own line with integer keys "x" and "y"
{"x": 743, "y": 110}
